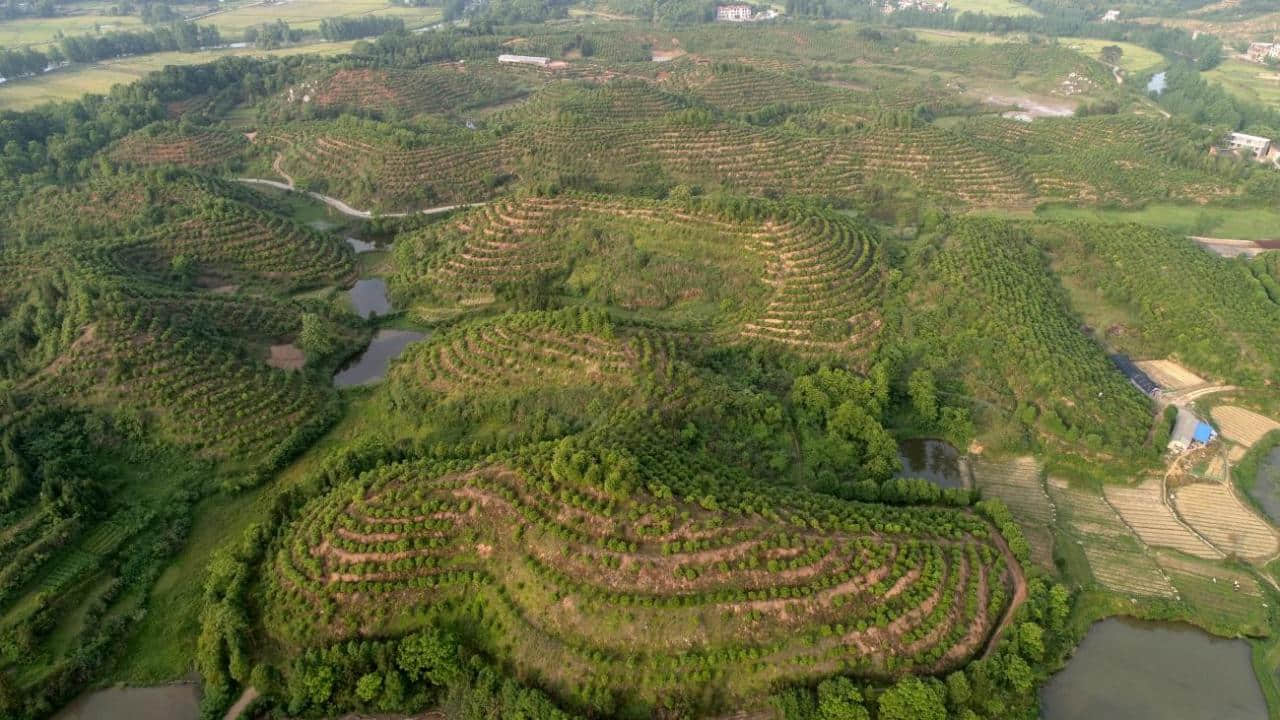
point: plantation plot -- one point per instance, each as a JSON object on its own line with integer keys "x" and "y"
{"x": 441, "y": 89}
{"x": 1143, "y": 508}
{"x": 1017, "y": 482}
{"x": 821, "y": 272}
{"x": 1216, "y": 513}
{"x": 1116, "y": 557}
{"x": 1242, "y": 426}
{"x": 161, "y": 146}
{"x": 634, "y": 593}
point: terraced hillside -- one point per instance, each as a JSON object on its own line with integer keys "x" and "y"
{"x": 440, "y": 89}
{"x": 166, "y": 144}
{"x": 819, "y": 273}
{"x": 639, "y": 597}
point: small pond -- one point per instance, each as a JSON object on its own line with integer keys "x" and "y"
{"x": 934, "y": 460}
{"x": 1157, "y": 83}
{"x": 167, "y": 702}
{"x": 1266, "y": 489}
{"x": 369, "y": 296}
{"x": 1132, "y": 670}
{"x": 372, "y": 364}
{"x": 361, "y": 246}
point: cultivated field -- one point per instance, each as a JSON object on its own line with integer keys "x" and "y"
{"x": 1144, "y": 509}
{"x": 1216, "y": 513}
{"x": 1117, "y": 559}
{"x": 1018, "y": 483}
{"x": 1242, "y": 426}
{"x": 1170, "y": 375}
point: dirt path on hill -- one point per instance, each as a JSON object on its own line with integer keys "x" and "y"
{"x": 248, "y": 696}
{"x": 1019, "y": 595}
{"x": 349, "y": 211}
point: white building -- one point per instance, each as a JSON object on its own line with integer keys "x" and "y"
{"x": 1111, "y": 16}
{"x": 1262, "y": 52}
{"x": 524, "y": 60}
{"x": 1259, "y": 146}
{"x": 739, "y": 12}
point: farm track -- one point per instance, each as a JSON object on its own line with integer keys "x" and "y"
{"x": 349, "y": 211}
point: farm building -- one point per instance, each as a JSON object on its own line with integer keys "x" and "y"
{"x": 1111, "y": 16}
{"x": 1140, "y": 379}
{"x": 1204, "y": 433}
{"x": 740, "y": 12}
{"x": 1259, "y": 146}
{"x": 524, "y": 60}
{"x": 1184, "y": 430}
{"x": 1262, "y": 52}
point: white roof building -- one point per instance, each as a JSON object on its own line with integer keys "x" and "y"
{"x": 1111, "y": 16}
{"x": 524, "y": 60}
{"x": 1184, "y": 430}
{"x": 738, "y": 12}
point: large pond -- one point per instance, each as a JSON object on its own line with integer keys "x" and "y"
{"x": 934, "y": 460}
{"x": 1130, "y": 670}
{"x": 369, "y": 296}
{"x": 167, "y": 702}
{"x": 1266, "y": 489}
{"x": 372, "y": 364}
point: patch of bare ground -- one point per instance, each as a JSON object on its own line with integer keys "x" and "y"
{"x": 287, "y": 357}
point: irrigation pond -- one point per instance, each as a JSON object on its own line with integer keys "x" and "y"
{"x": 165, "y": 702}
{"x": 1132, "y": 670}
{"x": 934, "y": 460}
{"x": 371, "y": 366}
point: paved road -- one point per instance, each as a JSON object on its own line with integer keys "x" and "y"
{"x": 346, "y": 209}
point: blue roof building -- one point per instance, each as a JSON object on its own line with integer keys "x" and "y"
{"x": 1204, "y": 433}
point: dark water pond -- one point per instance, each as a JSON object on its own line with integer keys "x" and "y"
{"x": 1266, "y": 489}
{"x": 372, "y": 364}
{"x": 1157, "y": 83}
{"x": 934, "y": 460}
{"x": 370, "y": 296}
{"x": 167, "y": 702}
{"x": 1131, "y": 670}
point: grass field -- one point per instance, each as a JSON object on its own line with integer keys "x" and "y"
{"x": 1248, "y": 81}
{"x": 71, "y": 82}
{"x": 41, "y": 31}
{"x": 1135, "y": 58}
{"x": 307, "y": 14}
{"x": 992, "y": 7}
{"x": 1240, "y": 224}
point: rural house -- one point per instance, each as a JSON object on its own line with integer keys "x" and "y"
{"x": 1111, "y": 16}
{"x": 1261, "y": 52}
{"x": 740, "y": 12}
{"x": 1240, "y": 142}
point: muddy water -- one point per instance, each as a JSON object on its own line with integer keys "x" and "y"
{"x": 1130, "y": 670}
{"x": 935, "y": 461}
{"x": 372, "y": 364}
{"x": 369, "y": 296}
{"x": 167, "y": 702}
{"x": 1266, "y": 489}
{"x": 361, "y": 246}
